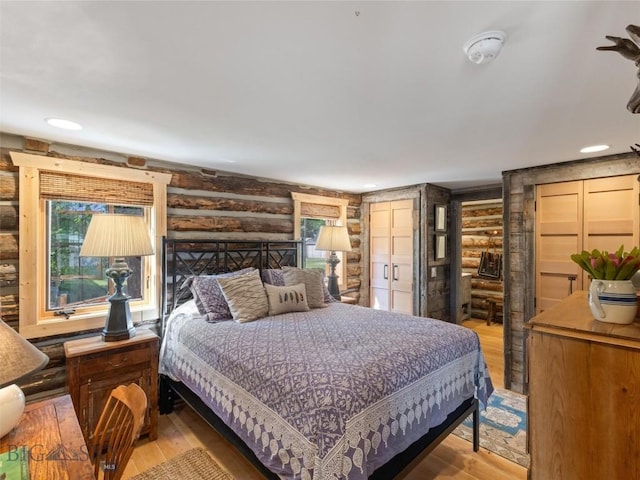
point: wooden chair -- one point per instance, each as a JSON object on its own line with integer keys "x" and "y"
{"x": 111, "y": 444}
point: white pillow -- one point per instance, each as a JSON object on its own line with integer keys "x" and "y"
{"x": 246, "y": 296}
{"x": 290, "y": 298}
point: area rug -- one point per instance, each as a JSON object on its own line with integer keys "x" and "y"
{"x": 503, "y": 426}
{"x": 194, "y": 464}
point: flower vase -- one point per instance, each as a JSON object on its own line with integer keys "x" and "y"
{"x": 613, "y": 301}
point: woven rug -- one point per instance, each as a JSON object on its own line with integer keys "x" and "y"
{"x": 194, "y": 464}
{"x": 503, "y": 426}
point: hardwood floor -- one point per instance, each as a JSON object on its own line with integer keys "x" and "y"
{"x": 492, "y": 343}
{"x": 452, "y": 459}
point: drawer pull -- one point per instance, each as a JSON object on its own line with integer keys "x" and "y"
{"x": 115, "y": 365}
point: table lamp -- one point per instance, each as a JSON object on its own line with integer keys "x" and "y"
{"x": 19, "y": 359}
{"x": 333, "y": 238}
{"x": 117, "y": 236}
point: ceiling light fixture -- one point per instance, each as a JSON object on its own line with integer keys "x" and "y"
{"x": 484, "y": 47}
{"x": 594, "y": 148}
{"x": 62, "y": 123}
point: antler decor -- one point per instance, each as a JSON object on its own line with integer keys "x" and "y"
{"x": 629, "y": 49}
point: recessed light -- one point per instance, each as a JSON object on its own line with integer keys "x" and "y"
{"x": 594, "y": 148}
{"x": 62, "y": 123}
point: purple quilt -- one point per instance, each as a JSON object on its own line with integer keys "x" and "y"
{"x": 330, "y": 393}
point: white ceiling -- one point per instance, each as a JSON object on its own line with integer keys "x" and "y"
{"x": 319, "y": 94}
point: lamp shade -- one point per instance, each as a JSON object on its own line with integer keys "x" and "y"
{"x": 18, "y": 357}
{"x": 116, "y": 235}
{"x": 333, "y": 238}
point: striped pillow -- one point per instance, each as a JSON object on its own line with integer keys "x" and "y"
{"x": 209, "y": 298}
{"x": 246, "y": 296}
{"x": 313, "y": 280}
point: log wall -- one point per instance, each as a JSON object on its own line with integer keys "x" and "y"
{"x": 200, "y": 204}
{"x": 481, "y": 231}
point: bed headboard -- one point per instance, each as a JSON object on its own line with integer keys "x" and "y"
{"x": 183, "y": 258}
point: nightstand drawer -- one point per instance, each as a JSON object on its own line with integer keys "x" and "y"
{"x": 110, "y": 360}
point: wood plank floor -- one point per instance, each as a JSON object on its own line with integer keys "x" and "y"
{"x": 452, "y": 459}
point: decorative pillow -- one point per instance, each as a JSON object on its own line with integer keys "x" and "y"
{"x": 273, "y": 276}
{"x": 313, "y": 280}
{"x": 209, "y": 298}
{"x": 246, "y": 296}
{"x": 291, "y": 298}
{"x": 328, "y": 298}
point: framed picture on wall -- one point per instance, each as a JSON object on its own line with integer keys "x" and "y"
{"x": 440, "y": 246}
{"x": 490, "y": 265}
{"x": 440, "y": 223}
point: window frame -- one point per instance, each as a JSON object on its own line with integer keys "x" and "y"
{"x": 318, "y": 200}
{"x": 35, "y": 320}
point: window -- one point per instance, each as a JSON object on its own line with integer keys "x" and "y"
{"x": 310, "y": 212}
{"x": 61, "y": 292}
{"x": 74, "y": 281}
{"x": 309, "y": 229}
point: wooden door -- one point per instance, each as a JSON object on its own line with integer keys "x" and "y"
{"x": 380, "y": 258}
{"x": 599, "y": 213}
{"x": 391, "y": 256}
{"x": 558, "y": 235}
{"x": 401, "y": 243}
{"x": 611, "y": 214}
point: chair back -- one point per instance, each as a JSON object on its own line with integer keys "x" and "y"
{"x": 117, "y": 430}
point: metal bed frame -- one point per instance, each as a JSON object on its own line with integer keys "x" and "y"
{"x": 184, "y": 258}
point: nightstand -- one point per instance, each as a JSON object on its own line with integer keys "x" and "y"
{"x": 95, "y": 367}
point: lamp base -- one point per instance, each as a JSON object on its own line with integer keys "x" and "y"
{"x": 332, "y": 278}
{"x": 11, "y": 406}
{"x": 332, "y": 286}
{"x": 119, "y": 325}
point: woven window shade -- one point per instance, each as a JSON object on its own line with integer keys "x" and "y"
{"x": 316, "y": 210}
{"x": 61, "y": 186}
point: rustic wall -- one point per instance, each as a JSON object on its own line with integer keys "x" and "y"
{"x": 438, "y": 289}
{"x": 519, "y": 254}
{"x": 200, "y": 203}
{"x": 481, "y": 231}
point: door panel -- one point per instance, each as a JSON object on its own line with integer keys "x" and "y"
{"x": 379, "y": 298}
{"x": 402, "y": 302}
{"x": 558, "y": 235}
{"x": 379, "y": 255}
{"x": 611, "y": 214}
{"x": 402, "y": 256}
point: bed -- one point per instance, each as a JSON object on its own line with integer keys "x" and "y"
{"x": 335, "y": 391}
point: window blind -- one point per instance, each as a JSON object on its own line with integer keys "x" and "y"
{"x": 63, "y": 186}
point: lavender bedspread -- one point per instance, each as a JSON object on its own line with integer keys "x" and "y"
{"x": 330, "y": 393}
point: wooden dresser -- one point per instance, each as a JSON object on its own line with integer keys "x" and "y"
{"x": 95, "y": 367}
{"x": 584, "y": 395}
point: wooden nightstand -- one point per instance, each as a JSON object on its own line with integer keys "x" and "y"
{"x": 95, "y": 367}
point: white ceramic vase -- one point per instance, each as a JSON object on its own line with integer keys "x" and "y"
{"x": 613, "y": 301}
{"x": 11, "y": 408}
